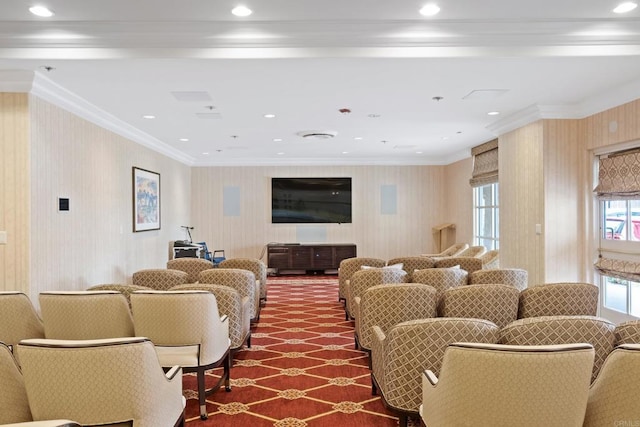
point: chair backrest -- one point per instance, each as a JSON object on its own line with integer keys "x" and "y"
{"x": 14, "y": 405}
{"x": 491, "y": 259}
{"x": 441, "y": 278}
{"x": 159, "y": 279}
{"x": 628, "y": 332}
{"x": 100, "y": 382}
{"x": 188, "y": 319}
{"x": 613, "y": 398}
{"x": 412, "y": 263}
{"x": 516, "y": 277}
{"x": 85, "y": 315}
{"x": 351, "y": 265}
{"x": 498, "y": 385}
{"x": 387, "y": 305}
{"x": 257, "y": 267}
{"x": 559, "y": 299}
{"x": 18, "y": 318}
{"x": 124, "y": 289}
{"x": 494, "y": 302}
{"x": 563, "y": 330}
{"x": 452, "y": 250}
{"x": 239, "y": 279}
{"x": 191, "y": 266}
{"x": 470, "y": 264}
{"x": 473, "y": 251}
{"x": 364, "y": 279}
{"x": 400, "y": 356}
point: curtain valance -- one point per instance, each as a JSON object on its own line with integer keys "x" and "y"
{"x": 619, "y": 176}
{"x": 627, "y": 270}
{"x": 485, "y": 164}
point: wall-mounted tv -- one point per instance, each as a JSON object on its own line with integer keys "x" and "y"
{"x": 310, "y": 200}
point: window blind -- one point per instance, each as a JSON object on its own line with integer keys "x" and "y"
{"x": 485, "y": 164}
{"x": 627, "y": 270}
{"x": 619, "y": 176}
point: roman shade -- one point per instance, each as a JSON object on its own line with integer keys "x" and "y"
{"x": 620, "y": 269}
{"x": 619, "y": 176}
{"x": 485, "y": 164}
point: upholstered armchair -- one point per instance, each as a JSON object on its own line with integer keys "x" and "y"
{"x": 364, "y": 279}
{"x": 411, "y": 264}
{"x": 452, "y": 250}
{"x": 241, "y": 280}
{"x": 48, "y": 423}
{"x": 14, "y": 405}
{"x": 498, "y": 385}
{"x": 159, "y": 279}
{"x": 191, "y": 266}
{"x": 96, "y": 382}
{"x": 401, "y": 355}
{"x": 257, "y": 267}
{"x": 559, "y": 299}
{"x": 441, "y": 279}
{"x": 473, "y": 251}
{"x": 230, "y": 303}
{"x": 470, "y": 264}
{"x": 613, "y": 397}
{"x": 497, "y": 303}
{"x": 348, "y": 267}
{"x": 187, "y": 330}
{"x": 85, "y": 315}
{"x": 516, "y": 277}
{"x": 628, "y": 332}
{"x": 387, "y": 305}
{"x": 563, "y": 330}
{"x": 18, "y": 319}
{"x": 124, "y": 289}
{"x": 491, "y": 259}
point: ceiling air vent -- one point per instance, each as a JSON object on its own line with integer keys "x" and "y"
{"x": 317, "y": 134}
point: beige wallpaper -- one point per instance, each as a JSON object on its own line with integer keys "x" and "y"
{"x": 459, "y": 199}
{"x": 14, "y": 191}
{"x": 617, "y": 125}
{"x": 93, "y": 243}
{"x": 420, "y": 205}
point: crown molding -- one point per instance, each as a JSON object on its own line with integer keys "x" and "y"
{"x": 375, "y": 161}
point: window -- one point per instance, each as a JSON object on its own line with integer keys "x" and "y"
{"x": 621, "y": 220}
{"x": 486, "y": 216}
{"x": 622, "y": 295}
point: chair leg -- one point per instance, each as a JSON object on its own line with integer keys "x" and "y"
{"x": 202, "y": 395}
{"x": 227, "y": 373}
{"x": 402, "y": 420}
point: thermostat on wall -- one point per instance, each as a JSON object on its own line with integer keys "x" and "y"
{"x": 63, "y": 204}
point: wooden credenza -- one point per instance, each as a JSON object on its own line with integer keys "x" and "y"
{"x": 292, "y": 256}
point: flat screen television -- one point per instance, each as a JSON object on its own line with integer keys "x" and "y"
{"x": 310, "y": 200}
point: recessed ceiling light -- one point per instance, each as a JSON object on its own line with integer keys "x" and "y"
{"x": 418, "y": 152}
{"x": 206, "y": 153}
{"x": 493, "y": 113}
{"x": 184, "y": 139}
{"x": 241, "y": 11}
{"x": 345, "y": 152}
{"x": 625, "y": 7}
{"x": 277, "y": 139}
{"x": 148, "y": 116}
{"x": 280, "y": 153}
{"x": 358, "y": 138}
{"x": 429, "y": 9}
{"x": 41, "y": 11}
{"x": 269, "y": 116}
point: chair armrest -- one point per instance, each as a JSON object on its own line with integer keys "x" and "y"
{"x": 431, "y": 377}
{"x": 175, "y": 370}
{"x": 224, "y": 318}
{"x": 377, "y": 332}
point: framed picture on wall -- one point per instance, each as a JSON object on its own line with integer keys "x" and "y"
{"x": 146, "y": 200}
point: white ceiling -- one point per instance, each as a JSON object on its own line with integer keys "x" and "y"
{"x": 303, "y": 60}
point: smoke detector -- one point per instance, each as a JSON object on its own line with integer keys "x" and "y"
{"x": 317, "y": 134}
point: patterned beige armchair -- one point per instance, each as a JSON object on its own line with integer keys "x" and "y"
{"x": 401, "y": 355}
{"x": 559, "y": 299}
{"x": 491, "y": 259}
{"x": 364, "y": 279}
{"x": 563, "y": 330}
{"x": 159, "y": 278}
{"x": 230, "y": 303}
{"x": 124, "y": 289}
{"x": 14, "y": 405}
{"x": 441, "y": 278}
{"x": 187, "y": 330}
{"x": 99, "y": 382}
{"x": 494, "y": 302}
{"x": 85, "y": 315}
{"x": 348, "y": 267}
{"x": 452, "y": 250}
{"x": 191, "y": 266}
{"x": 613, "y": 398}
{"x": 241, "y": 280}
{"x": 628, "y": 332}
{"x": 470, "y": 264}
{"x": 515, "y": 277}
{"x": 498, "y": 385}
{"x": 473, "y": 251}
{"x": 412, "y": 263}
{"x": 18, "y": 319}
{"x": 257, "y": 267}
{"x": 387, "y": 305}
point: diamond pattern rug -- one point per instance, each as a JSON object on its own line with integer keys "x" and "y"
{"x": 302, "y": 369}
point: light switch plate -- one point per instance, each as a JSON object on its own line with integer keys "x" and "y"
{"x": 3, "y": 237}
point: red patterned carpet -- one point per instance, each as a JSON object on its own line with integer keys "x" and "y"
{"x": 302, "y": 369}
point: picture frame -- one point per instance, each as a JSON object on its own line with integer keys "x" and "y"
{"x": 146, "y": 200}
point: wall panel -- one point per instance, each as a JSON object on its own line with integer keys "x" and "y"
{"x": 459, "y": 199}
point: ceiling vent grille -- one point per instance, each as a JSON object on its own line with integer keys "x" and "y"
{"x": 317, "y": 134}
